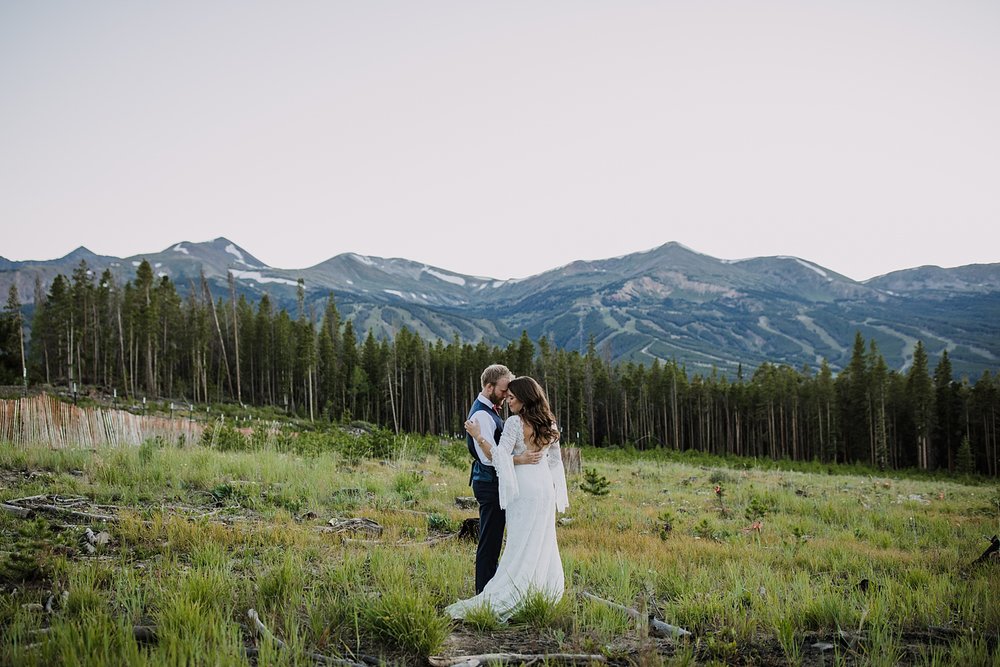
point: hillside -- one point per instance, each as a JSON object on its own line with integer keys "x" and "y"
{"x": 667, "y": 302}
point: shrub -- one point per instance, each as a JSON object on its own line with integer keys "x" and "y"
{"x": 454, "y": 454}
{"x": 406, "y": 618}
{"x": 31, "y": 552}
{"x": 758, "y": 508}
{"x": 224, "y": 437}
{"x": 242, "y": 494}
{"x": 720, "y": 477}
{"x": 408, "y": 485}
{"x": 381, "y": 443}
{"x": 482, "y": 619}
{"x": 539, "y": 610}
{"x": 706, "y": 529}
{"x": 594, "y": 484}
{"x": 440, "y": 523}
{"x": 666, "y": 522}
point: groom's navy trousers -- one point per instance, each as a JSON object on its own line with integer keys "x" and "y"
{"x": 492, "y": 519}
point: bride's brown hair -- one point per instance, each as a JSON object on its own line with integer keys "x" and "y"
{"x": 535, "y": 409}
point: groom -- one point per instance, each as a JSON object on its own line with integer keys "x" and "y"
{"x": 492, "y": 520}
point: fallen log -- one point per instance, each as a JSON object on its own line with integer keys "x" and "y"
{"x": 26, "y": 512}
{"x": 425, "y": 543}
{"x": 18, "y": 501}
{"x": 261, "y": 630}
{"x": 355, "y": 525}
{"x": 75, "y": 513}
{"x": 516, "y": 659}
{"x": 20, "y": 512}
{"x": 657, "y": 627}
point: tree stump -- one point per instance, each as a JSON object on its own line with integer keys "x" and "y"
{"x": 571, "y": 459}
{"x": 470, "y": 530}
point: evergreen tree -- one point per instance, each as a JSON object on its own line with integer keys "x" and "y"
{"x": 593, "y": 483}
{"x": 141, "y": 337}
{"x": 524, "y": 355}
{"x": 921, "y": 398}
{"x": 965, "y": 464}
{"x": 855, "y": 412}
{"x": 878, "y": 377}
{"x": 983, "y": 421}
{"x": 948, "y": 413}
{"x": 825, "y": 411}
{"x": 11, "y": 339}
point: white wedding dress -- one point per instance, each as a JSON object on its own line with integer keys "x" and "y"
{"x": 530, "y": 494}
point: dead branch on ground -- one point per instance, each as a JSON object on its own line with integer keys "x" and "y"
{"x": 657, "y": 627}
{"x": 516, "y": 659}
{"x": 261, "y": 630}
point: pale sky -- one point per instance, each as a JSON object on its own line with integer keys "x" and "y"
{"x": 860, "y": 135}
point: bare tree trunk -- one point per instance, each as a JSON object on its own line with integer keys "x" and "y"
{"x": 392, "y": 401}
{"x": 24, "y": 365}
{"x": 673, "y": 411}
{"x": 69, "y": 350}
{"x": 309, "y": 375}
{"x": 236, "y": 339}
{"x": 218, "y": 330}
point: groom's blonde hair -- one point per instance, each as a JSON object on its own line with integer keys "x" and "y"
{"x": 494, "y": 374}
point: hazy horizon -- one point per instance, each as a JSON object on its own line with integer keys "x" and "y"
{"x": 858, "y": 136}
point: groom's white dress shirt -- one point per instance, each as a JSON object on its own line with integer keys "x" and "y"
{"x": 486, "y": 428}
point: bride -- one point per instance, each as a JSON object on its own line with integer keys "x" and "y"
{"x": 530, "y": 494}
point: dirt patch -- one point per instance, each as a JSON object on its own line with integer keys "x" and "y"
{"x": 815, "y": 649}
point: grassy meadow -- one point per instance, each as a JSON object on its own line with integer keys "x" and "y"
{"x": 760, "y": 564}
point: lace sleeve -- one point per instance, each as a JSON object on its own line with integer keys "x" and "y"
{"x": 558, "y": 476}
{"x": 503, "y": 460}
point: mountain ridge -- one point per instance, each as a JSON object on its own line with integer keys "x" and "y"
{"x": 667, "y": 302}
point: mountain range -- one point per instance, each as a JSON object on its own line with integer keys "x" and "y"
{"x": 670, "y": 302}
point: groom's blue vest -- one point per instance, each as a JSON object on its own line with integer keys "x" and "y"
{"x": 481, "y": 472}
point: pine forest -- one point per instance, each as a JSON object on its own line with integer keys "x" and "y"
{"x": 144, "y": 339}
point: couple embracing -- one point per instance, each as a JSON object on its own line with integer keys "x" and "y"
{"x": 519, "y": 482}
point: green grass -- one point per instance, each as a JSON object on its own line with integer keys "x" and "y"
{"x": 206, "y": 533}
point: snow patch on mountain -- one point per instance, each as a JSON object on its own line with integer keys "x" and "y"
{"x": 180, "y": 248}
{"x": 367, "y": 261}
{"x": 256, "y": 276}
{"x": 235, "y": 252}
{"x": 809, "y": 266}
{"x": 500, "y": 283}
{"x": 824, "y": 335}
{"x": 454, "y": 280}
